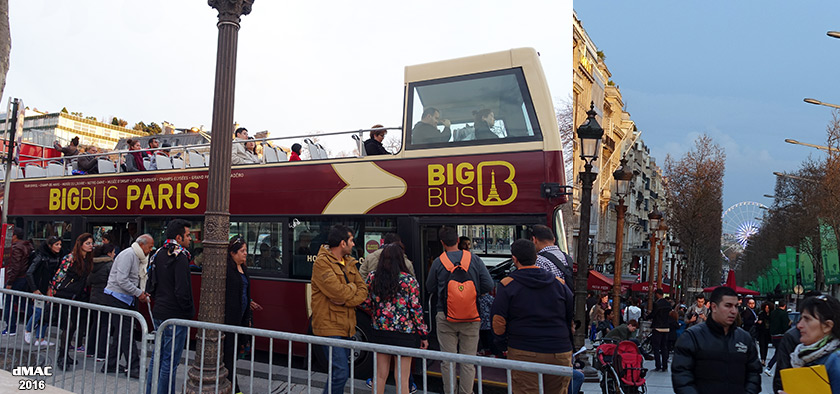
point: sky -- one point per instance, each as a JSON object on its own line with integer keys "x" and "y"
{"x": 737, "y": 71}
{"x": 302, "y": 66}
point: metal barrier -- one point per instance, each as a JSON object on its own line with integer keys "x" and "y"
{"x": 64, "y": 320}
{"x": 424, "y": 357}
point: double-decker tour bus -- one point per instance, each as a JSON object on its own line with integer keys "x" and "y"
{"x": 491, "y": 183}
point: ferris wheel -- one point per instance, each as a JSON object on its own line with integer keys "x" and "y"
{"x": 740, "y": 222}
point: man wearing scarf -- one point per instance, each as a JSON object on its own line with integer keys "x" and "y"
{"x": 122, "y": 291}
{"x": 717, "y": 357}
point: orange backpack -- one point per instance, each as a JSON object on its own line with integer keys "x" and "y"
{"x": 460, "y": 296}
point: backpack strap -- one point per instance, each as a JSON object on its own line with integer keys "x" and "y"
{"x": 551, "y": 257}
{"x": 466, "y": 257}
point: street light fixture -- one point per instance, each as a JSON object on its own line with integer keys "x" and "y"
{"x": 622, "y": 187}
{"x": 653, "y": 217}
{"x": 818, "y": 102}
{"x": 662, "y": 233}
{"x": 820, "y": 147}
{"x": 834, "y": 34}
{"x": 590, "y": 134}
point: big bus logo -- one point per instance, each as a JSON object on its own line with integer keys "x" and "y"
{"x": 490, "y": 183}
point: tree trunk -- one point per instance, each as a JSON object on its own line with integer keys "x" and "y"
{"x": 5, "y": 43}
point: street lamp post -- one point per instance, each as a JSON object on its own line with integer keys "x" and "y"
{"x": 589, "y": 133}
{"x": 671, "y": 272}
{"x": 622, "y": 185}
{"x": 661, "y": 233}
{"x": 653, "y": 224}
{"x": 206, "y": 373}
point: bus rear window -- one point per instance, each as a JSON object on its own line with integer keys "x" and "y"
{"x": 487, "y": 108}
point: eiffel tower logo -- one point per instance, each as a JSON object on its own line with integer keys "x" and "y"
{"x": 493, "y": 196}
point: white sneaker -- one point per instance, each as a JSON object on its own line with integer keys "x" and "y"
{"x": 27, "y": 337}
{"x": 768, "y": 372}
{"x": 45, "y": 343}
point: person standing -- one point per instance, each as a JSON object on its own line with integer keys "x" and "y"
{"x": 749, "y": 317}
{"x": 661, "y": 325}
{"x": 238, "y": 304}
{"x": 597, "y": 313}
{"x": 457, "y": 336}
{"x": 173, "y": 300}
{"x": 779, "y": 323}
{"x": 397, "y": 313}
{"x": 16, "y": 266}
{"x": 550, "y": 257}
{"x": 337, "y": 288}
{"x": 98, "y": 329}
{"x": 633, "y": 311}
{"x": 697, "y": 313}
{"x": 70, "y": 283}
{"x": 528, "y": 300}
{"x": 122, "y": 292}
{"x": 762, "y": 326}
{"x": 39, "y": 274}
{"x": 372, "y": 261}
{"x": 717, "y": 356}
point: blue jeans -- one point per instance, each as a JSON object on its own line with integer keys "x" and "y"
{"x": 35, "y": 321}
{"x": 168, "y": 359}
{"x": 577, "y": 381}
{"x": 340, "y": 367}
{"x": 9, "y": 315}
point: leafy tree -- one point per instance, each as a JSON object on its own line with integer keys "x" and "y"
{"x": 139, "y": 126}
{"x": 79, "y": 114}
{"x": 93, "y": 118}
{"x": 694, "y": 189}
{"x": 153, "y": 128}
{"x": 64, "y": 110}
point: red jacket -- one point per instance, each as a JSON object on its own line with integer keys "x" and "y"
{"x": 18, "y": 261}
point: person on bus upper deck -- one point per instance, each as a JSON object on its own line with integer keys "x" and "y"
{"x": 373, "y": 146}
{"x": 134, "y": 158}
{"x": 89, "y": 163}
{"x": 456, "y": 337}
{"x": 295, "y": 155}
{"x": 426, "y": 131}
{"x": 239, "y": 155}
{"x": 484, "y": 120}
{"x": 251, "y": 152}
{"x": 153, "y": 144}
{"x": 69, "y": 150}
{"x": 528, "y": 302}
{"x": 337, "y": 288}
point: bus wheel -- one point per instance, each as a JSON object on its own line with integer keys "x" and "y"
{"x": 363, "y": 359}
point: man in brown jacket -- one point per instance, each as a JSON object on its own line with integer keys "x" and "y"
{"x": 337, "y": 288}
{"x": 16, "y": 266}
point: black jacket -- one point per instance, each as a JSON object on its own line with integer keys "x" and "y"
{"x": 786, "y": 346}
{"x": 374, "y": 147}
{"x": 483, "y": 132}
{"x": 748, "y": 319}
{"x": 173, "y": 298}
{"x": 708, "y": 361}
{"x": 89, "y": 164}
{"x": 234, "y": 315}
{"x": 98, "y": 279}
{"x": 659, "y": 315}
{"x": 42, "y": 269}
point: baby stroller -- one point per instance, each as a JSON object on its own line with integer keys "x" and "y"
{"x": 621, "y": 368}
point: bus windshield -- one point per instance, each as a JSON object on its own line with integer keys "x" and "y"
{"x": 485, "y": 108}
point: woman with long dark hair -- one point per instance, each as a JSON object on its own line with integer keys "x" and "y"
{"x": 38, "y": 276}
{"x": 819, "y": 337}
{"x": 70, "y": 282}
{"x": 397, "y": 314}
{"x": 134, "y": 159}
{"x": 238, "y": 303}
{"x": 762, "y": 326}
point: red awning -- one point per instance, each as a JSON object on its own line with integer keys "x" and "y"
{"x": 730, "y": 282}
{"x": 601, "y": 282}
{"x": 643, "y": 287}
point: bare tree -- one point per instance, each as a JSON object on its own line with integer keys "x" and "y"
{"x": 5, "y": 43}
{"x": 694, "y": 189}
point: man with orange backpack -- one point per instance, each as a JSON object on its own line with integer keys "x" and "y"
{"x": 457, "y": 278}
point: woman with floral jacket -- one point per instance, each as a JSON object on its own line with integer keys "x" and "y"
{"x": 394, "y": 303}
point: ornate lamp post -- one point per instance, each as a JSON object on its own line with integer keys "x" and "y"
{"x": 662, "y": 233}
{"x": 622, "y": 186}
{"x": 653, "y": 224}
{"x": 217, "y": 216}
{"x": 589, "y": 133}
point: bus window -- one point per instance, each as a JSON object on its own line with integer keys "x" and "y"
{"x": 157, "y": 229}
{"x": 307, "y": 238}
{"x": 486, "y": 108}
{"x": 40, "y": 230}
{"x": 491, "y": 239}
{"x": 264, "y": 241}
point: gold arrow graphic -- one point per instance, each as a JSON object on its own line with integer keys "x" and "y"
{"x": 367, "y": 186}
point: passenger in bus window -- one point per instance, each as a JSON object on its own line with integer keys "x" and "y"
{"x": 295, "y": 155}
{"x": 373, "y": 146}
{"x": 484, "y": 120}
{"x": 69, "y": 150}
{"x": 426, "y": 131}
{"x": 89, "y": 163}
{"x": 239, "y": 155}
{"x": 153, "y": 144}
{"x": 134, "y": 158}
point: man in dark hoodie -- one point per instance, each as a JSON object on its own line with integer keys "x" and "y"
{"x": 527, "y": 301}
{"x": 16, "y": 266}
